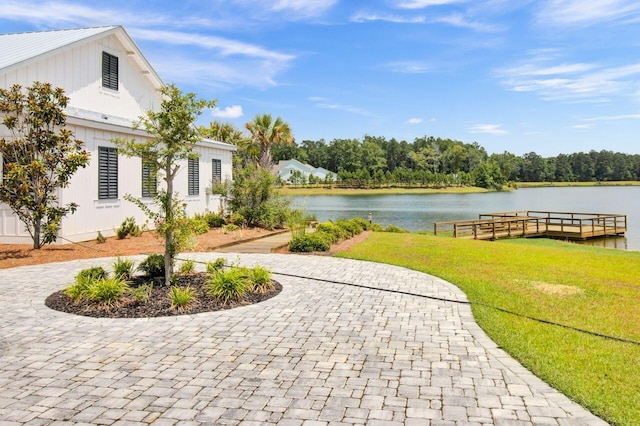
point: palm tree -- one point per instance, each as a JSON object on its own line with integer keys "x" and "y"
{"x": 265, "y": 132}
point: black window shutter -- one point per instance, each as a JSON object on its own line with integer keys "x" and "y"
{"x": 149, "y": 182}
{"x": 194, "y": 176}
{"x": 216, "y": 170}
{"x": 107, "y": 173}
{"x": 109, "y": 71}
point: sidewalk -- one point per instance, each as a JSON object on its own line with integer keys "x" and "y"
{"x": 260, "y": 245}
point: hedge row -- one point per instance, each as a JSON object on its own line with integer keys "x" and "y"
{"x": 328, "y": 233}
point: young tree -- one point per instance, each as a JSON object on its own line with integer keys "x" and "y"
{"x": 38, "y": 158}
{"x": 266, "y": 132}
{"x": 172, "y": 138}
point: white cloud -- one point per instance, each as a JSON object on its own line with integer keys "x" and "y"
{"x": 287, "y": 9}
{"x": 570, "y": 82}
{"x": 327, "y": 104}
{"x": 414, "y": 120}
{"x": 233, "y": 111}
{"x": 582, "y": 126}
{"x": 614, "y": 117}
{"x": 492, "y": 129}
{"x": 223, "y": 45}
{"x": 420, "y": 4}
{"x": 396, "y": 19}
{"x": 409, "y": 67}
{"x": 584, "y": 13}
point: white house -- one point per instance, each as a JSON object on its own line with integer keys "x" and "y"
{"x": 286, "y": 168}
{"x": 110, "y": 85}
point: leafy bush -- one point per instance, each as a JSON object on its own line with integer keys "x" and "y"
{"x": 188, "y": 266}
{"x": 142, "y": 293}
{"x": 334, "y": 230}
{"x": 236, "y": 219}
{"x": 261, "y": 279}
{"x": 228, "y": 286}
{"x": 128, "y": 227}
{"x": 364, "y": 224}
{"x": 216, "y": 266}
{"x": 395, "y": 229}
{"x": 106, "y": 291}
{"x": 214, "y": 220}
{"x": 181, "y": 297}
{"x": 199, "y": 225}
{"x": 100, "y": 239}
{"x": 376, "y": 227}
{"x": 351, "y": 226}
{"x": 152, "y": 266}
{"x": 253, "y": 195}
{"x": 123, "y": 268}
{"x": 316, "y": 241}
{"x": 229, "y": 228}
{"x": 95, "y": 273}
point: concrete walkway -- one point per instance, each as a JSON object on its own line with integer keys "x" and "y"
{"x": 317, "y": 354}
{"x": 260, "y": 245}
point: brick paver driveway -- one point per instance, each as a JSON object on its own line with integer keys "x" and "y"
{"x": 318, "y": 353}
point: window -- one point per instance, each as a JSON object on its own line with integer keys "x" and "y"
{"x": 107, "y": 173}
{"x": 149, "y": 179}
{"x": 216, "y": 171}
{"x": 109, "y": 71}
{"x": 194, "y": 176}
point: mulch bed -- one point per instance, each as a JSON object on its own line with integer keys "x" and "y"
{"x": 159, "y": 303}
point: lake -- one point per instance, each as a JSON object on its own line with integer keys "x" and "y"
{"x": 419, "y": 212}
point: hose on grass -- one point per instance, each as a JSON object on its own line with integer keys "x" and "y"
{"x": 461, "y": 302}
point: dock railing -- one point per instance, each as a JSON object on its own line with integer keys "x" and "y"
{"x": 570, "y": 225}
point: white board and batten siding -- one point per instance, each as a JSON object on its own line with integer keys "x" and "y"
{"x": 97, "y": 115}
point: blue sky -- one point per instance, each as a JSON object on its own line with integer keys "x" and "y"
{"x": 550, "y": 76}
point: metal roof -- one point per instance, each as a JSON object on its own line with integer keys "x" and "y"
{"x": 19, "y": 47}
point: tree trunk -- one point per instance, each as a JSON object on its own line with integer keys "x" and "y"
{"x": 168, "y": 239}
{"x": 36, "y": 235}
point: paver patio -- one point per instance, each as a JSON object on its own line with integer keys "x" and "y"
{"x": 319, "y": 354}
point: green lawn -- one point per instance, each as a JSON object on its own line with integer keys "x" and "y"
{"x": 585, "y": 287}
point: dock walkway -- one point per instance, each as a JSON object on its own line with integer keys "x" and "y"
{"x": 534, "y": 223}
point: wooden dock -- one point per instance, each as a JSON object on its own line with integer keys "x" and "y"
{"x": 533, "y": 223}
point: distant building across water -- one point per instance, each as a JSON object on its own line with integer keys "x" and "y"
{"x": 290, "y": 170}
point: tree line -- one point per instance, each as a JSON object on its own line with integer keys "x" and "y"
{"x": 429, "y": 161}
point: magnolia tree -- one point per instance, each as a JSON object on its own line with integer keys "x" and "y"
{"x": 172, "y": 138}
{"x": 38, "y": 159}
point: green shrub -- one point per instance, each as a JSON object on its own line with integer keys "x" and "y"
{"x": 152, "y": 266}
{"x": 228, "y": 286}
{"x": 236, "y": 219}
{"x": 199, "y": 225}
{"x": 352, "y": 227}
{"x": 128, "y": 227}
{"x": 395, "y": 229}
{"x": 261, "y": 279}
{"x": 214, "y": 220}
{"x": 331, "y": 228}
{"x": 95, "y": 273}
{"x": 188, "y": 266}
{"x": 123, "y": 268}
{"x": 100, "y": 239}
{"x": 216, "y": 266}
{"x": 142, "y": 293}
{"x": 376, "y": 227}
{"x": 106, "y": 291}
{"x": 229, "y": 228}
{"x": 181, "y": 297}
{"x": 364, "y": 224}
{"x": 315, "y": 241}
